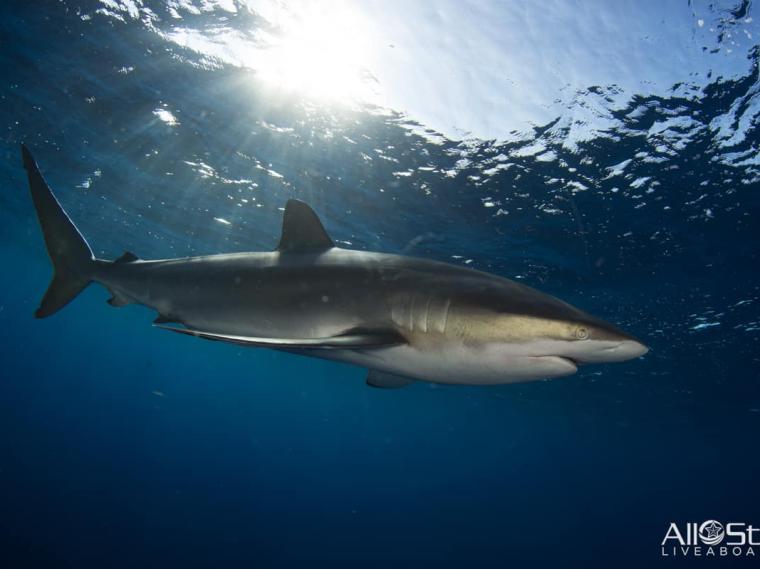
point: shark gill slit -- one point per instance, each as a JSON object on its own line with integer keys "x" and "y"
{"x": 427, "y": 314}
{"x": 411, "y": 313}
{"x": 445, "y": 315}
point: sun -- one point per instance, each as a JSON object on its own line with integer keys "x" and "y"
{"x": 320, "y": 51}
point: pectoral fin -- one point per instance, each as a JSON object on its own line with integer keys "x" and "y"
{"x": 349, "y": 340}
{"x": 383, "y": 380}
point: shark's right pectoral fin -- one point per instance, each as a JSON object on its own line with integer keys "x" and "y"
{"x": 352, "y": 339}
{"x": 384, "y": 380}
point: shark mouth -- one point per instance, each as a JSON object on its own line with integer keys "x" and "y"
{"x": 559, "y": 365}
{"x": 569, "y": 361}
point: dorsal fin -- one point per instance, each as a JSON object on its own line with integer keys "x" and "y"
{"x": 302, "y": 232}
{"x": 127, "y": 257}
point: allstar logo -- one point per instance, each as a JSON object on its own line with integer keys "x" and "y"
{"x": 710, "y": 538}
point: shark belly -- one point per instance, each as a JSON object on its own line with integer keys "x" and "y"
{"x": 453, "y": 364}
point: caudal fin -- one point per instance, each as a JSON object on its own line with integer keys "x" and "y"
{"x": 72, "y": 258}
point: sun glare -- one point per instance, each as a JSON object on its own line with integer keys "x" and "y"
{"x": 318, "y": 52}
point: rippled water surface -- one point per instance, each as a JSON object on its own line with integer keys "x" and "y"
{"x": 607, "y": 153}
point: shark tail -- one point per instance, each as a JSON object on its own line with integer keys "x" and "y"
{"x": 72, "y": 258}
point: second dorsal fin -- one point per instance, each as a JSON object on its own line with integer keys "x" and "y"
{"x": 127, "y": 257}
{"x": 302, "y": 232}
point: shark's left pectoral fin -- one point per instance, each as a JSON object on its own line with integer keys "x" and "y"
{"x": 353, "y": 339}
{"x": 384, "y": 380}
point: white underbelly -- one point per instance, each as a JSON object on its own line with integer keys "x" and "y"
{"x": 458, "y": 364}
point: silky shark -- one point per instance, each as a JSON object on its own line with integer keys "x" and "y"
{"x": 403, "y": 318}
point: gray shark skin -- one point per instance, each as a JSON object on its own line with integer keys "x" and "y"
{"x": 404, "y": 318}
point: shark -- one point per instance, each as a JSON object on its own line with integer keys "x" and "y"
{"x": 405, "y": 319}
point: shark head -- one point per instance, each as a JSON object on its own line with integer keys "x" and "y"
{"x": 565, "y": 342}
{"x": 520, "y": 326}
{"x": 585, "y": 339}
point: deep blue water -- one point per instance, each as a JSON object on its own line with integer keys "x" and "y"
{"x": 124, "y": 446}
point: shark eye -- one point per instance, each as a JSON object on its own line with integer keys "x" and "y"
{"x": 581, "y": 333}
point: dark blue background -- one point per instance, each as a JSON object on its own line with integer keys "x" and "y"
{"x": 123, "y": 446}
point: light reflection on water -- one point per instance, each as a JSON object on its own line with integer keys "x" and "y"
{"x": 486, "y": 70}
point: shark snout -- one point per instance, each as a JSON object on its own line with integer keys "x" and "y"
{"x": 629, "y": 349}
{"x": 601, "y": 352}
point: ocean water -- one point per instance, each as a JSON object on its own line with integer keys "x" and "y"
{"x": 606, "y": 153}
